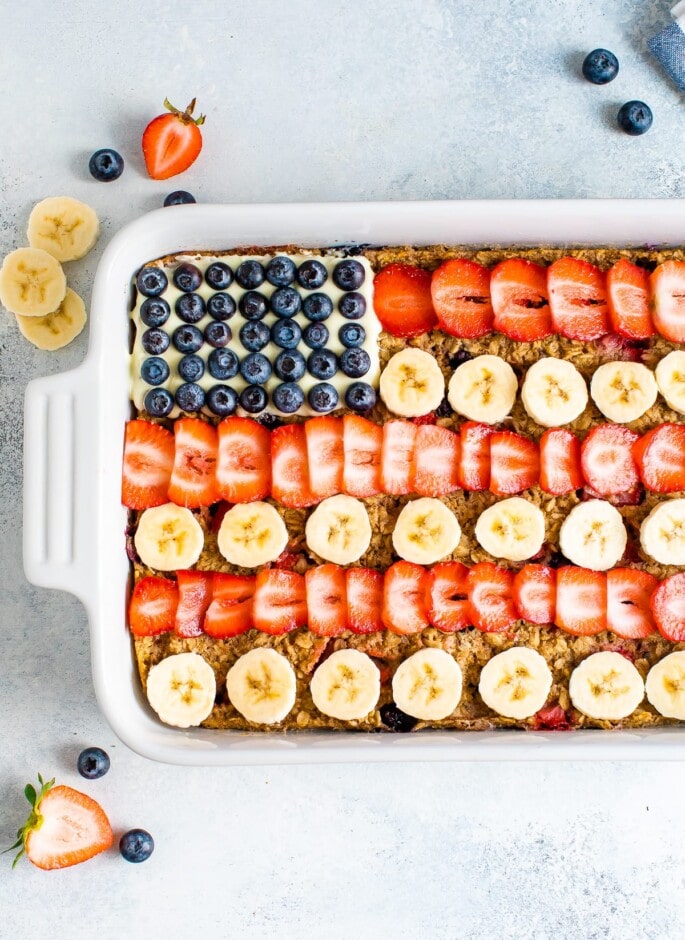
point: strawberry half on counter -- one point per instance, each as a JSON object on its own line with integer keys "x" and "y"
{"x": 560, "y": 471}
{"x": 230, "y": 610}
{"x": 461, "y": 298}
{"x": 148, "y": 462}
{"x": 577, "y": 299}
{"x": 326, "y": 600}
{"x": 402, "y": 300}
{"x": 172, "y": 142}
{"x": 628, "y": 297}
{"x": 243, "y": 472}
{"x": 519, "y": 300}
{"x": 152, "y": 608}
{"x": 193, "y": 478}
{"x": 668, "y": 298}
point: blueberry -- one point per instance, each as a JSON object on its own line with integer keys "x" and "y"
{"x": 253, "y": 305}
{"x": 280, "y": 271}
{"x": 635, "y": 118}
{"x": 352, "y": 334}
{"x": 322, "y": 397}
{"x": 136, "y": 845}
{"x": 459, "y": 358}
{"x": 444, "y": 409}
{"x": 179, "y": 197}
{"x": 271, "y": 422}
{"x": 222, "y": 364}
{"x": 222, "y": 400}
{"x": 322, "y": 364}
{"x": 286, "y": 302}
{"x": 151, "y": 281}
{"x": 355, "y": 363}
{"x": 191, "y": 368}
{"x": 254, "y": 336}
{"x": 395, "y": 719}
{"x": 190, "y": 397}
{"x": 106, "y": 165}
{"x": 311, "y": 274}
{"x": 286, "y": 334}
{"x": 317, "y": 307}
{"x": 158, "y": 402}
{"x": 93, "y": 763}
{"x": 155, "y": 311}
{"x": 352, "y": 306}
{"x": 255, "y": 369}
{"x": 315, "y": 335}
{"x": 600, "y": 66}
{"x": 154, "y": 371}
{"x": 349, "y": 274}
{"x": 187, "y": 277}
{"x": 155, "y": 342}
{"x": 217, "y": 334}
{"x": 250, "y": 274}
{"x": 253, "y": 399}
{"x": 289, "y": 365}
{"x": 288, "y": 397}
{"x": 218, "y": 275}
{"x": 221, "y": 306}
{"x": 190, "y": 308}
{"x": 187, "y": 339}
{"x": 360, "y": 397}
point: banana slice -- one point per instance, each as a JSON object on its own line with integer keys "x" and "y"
{"x": 553, "y": 392}
{"x": 425, "y": 531}
{"x": 181, "y": 689}
{"x": 32, "y": 282}
{"x": 168, "y": 537}
{"x": 339, "y": 529}
{"x": 346, "y": 686}
{"x": 515, "y": 683}
{"x": 58, "y": 329}
{"x": 483, "y": 389}
{"x": 412, "y": 383}
{"x": 252, "y": 534}
{"x": 623, "y": 391}
{"x": 513, "y": 529}
{"x": 262, "y": 686}
{"x": 606, "y": 686}
{"x": 670, "y": 379}
{"x": 665, "y": 686}
{"x": 428, "y": 685}
{"x": 64, "y": 227}
{"x": 593, "y": 535}
{"x": 662, "y": 533}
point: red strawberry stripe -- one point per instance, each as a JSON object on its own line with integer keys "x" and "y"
{"x": 514, "y": 463}
{"x": 230, "y": 612}
{"x": 668, "y": 608}
{"x": 519, "y": 300}
{"x": 326, "y": 600}
{"x": 461, "y": 298}
{"x": 560, "y": 470}
{"x": 364, "y": 600}
{"x": 148, "y": 462}
{"x": 447, "y": 597}
{"x": 280, "y": 601}
{"x": 490, "y": 597}
{"x": 362, "y": 443}
{"x": 629, "y": 591}
{"x": 193, "y": 479}
{"x": 534, "y": 593}
{"x": 581, "y": 601}
{"x": 628, "y": 296}
{"x": 404, "y": 598}
{"x": 243, "y": 472}
{"x": 397, "y": 455}
{"x": 290, "y": 467}
{"x": 577, "y": 298}
{"x": 402, "y": 300}
{"x": 324, "y": 437}
{"x": 660, "y": 458}
{"x": 606, "y": 459}
{"x": 152, "y": 608}
{"x": 474, "y": 459}
{"x": 194, "y": 597}
{"x": 668, "y": 289}
{"x": 434, "y": 470}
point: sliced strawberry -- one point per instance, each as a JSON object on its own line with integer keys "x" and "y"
{"x": 519, "y": 300}
{"x": 581, "y": 601}
{"x": 474, "y": 458}
{"x": 172, "y": 141}
{"x": 616, "y": 348}
{"x": 194, "y": 597}
{"x": 288, "y": 560}
{"x": 402, "y": 300}
{"x": 514, "y": 463}
{"x": 230, "y": 612}
{"x": 461, "y": 298}
{"x": 152, "y": 608}
{"x": 560, "y": 462}
{"x": 660, "y": 458}
{"x": 363, "y": 442}
{"x": 447, "y": 597}
{"x": 404, "y": 598}
{"x": 535, "y": 592}
{"x": 668, "y": 292}
{"x": 290, "y": 467}
{"x": 280, "y": 600}
{"x": 424, "y": 419}
{"x": 577, "y": 298}
{"x": 326, "y": 600}
{"x": 243, "y": 472}
{"x": 148, "y": 462}
{"x": 606, "y": 459}
{"x": 397, "y": 454}
{"x": 628, "y": 296}
{"x": 551, "y": 718}
{"x": 324, "y": 438}
{"x": 668, "y": 608}
{"x": 435, "y": 466}
{"x": 193, "y": 479}
{"x": 490, "y": 597}
{"x": 629, "y": 591}
{"x": 364, "y": 600}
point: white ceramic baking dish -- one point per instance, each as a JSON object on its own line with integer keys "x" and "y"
{"x": 74, "y": 522}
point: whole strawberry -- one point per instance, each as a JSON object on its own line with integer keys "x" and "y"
{"x": 172, "y": 142}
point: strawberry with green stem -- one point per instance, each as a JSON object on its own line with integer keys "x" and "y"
{"x": 172, "y": 141}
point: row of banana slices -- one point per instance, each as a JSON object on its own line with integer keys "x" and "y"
{"x": 262, "y": 686}
{"x": 553, "y": 393}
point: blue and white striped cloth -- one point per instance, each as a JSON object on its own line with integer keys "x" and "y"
{"x": 669, "y": 46}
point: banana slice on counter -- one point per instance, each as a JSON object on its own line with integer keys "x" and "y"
{"x": 182, "y": 689}
{"x": 346, "y": 686}
{"x": 168, "y": 538}
{"x": 662, "y": 533}
{"x": 513, "y": 529}
{"x": 606, "y": 686}
{"x": 593, "y": 535}
{"x": 262, "y": 686}
{"x": 58, "y": 329}
{"x": 623, "y": 391}
{"x": 412, "y": 384}
{"x": 64, "y": 227}
{"x": 670, "y": 379}
{"x": 665, "y": 686}
{"x": 483, "y": 389}
{"x": 515, "y": 683}
{"x": 252, "y": 534}
{"x": 339, "y": 529}
{"x": 32, "y": 282}
{"x": 428, "y": 685}
{"x": 553, "y": 392}
{"x": 426, "y": 531}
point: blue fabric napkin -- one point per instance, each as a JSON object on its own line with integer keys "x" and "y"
{"x": 669, "y": 46}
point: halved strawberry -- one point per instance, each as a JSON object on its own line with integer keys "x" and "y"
{"x": 491, "y": 603}
{"x": 474, "y": 458}
{"x": 551, "y": 718}
{"x": 324, "y": 438}
{"x": 194, "y": 597}
{"x": 243, "y": 471}
{"x": 230, "y": 612}
{"x": 577, "y": 299}
{"x": 148, "y": 462}
{"x": 290, "y": 467}
{"x": 668, "y": 300}
{"x": 193, "y": 479}
{"x": 280, "y": 600}
{"x": 364, "y": 600}
{"x": 326, "y": 600}
{"x": 535, "y": 592}
{"x": 606, "y": 459}
{"x": 660, "y": 458}
{"x": 628, "y": 296}
{"x": 363, "y": 442}
{"x": 402, "y": 300}
{"x": 397, "y": 454}
{"x": 581, "y": 607}
{"x": 461, "y": 298}
{"x": 629, "y": 591}
{"x": 435, "y": 466}
{"x": 514, "y": 463}
{"x": 668, "y": 607}
{"x": 519, "y": 300}
{"x": 447, "y": 597}
{"x": 152, "y": 608}
{"x": 172, "y": 141}
{"x": 560, "y": 462}
{"x": 404, "y": 598}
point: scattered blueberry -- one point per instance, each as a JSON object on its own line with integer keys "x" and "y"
{"x": 352, "y": 334}
{"x": 355, "y": 363}
{"x": 250, "y": 274}
{"x": 222, "y": 400}
{"x": 154, "y": 311}
{"x": 190, "y": 308}
{"x": 158, "y": 402}
{"x": 106, "y": 165}
{"x": 218, "y": 334}
{"x": 255, "y": 369}
{"x": 444, "y": 409}
{"x": 635, "y": 118}
{"x": 253, "y": 305}
{"x": 179, "y": 197}
{"x": 154, "y": 371}
{"x": 187, "y": 339}
{"x": 317, "y": 307}
{"x": 136, "y": 845}
{"x": 289, "y": 365}
{"x": 286, "y": 334}
{"x": 218, "y": 275}
{"x": 288, "y": 397}
{"x": 187, "y": 277}
{"x": 254, "y": 336}
{"x": 360, "y": 397}
{"x": 280, "y": 271}
{"x": 191, "y": 368}
{"x": 459, "y": 358}
{"x": 315, "y": 335}
{"x": 311, "y": 274}
{"x": 253, "y": 399}
{"x": 222, "y": 364}
{"x": 151, "y": 281}
{"x": 600, "y": 66}
{"x": 322, "y": 397}
{"x": 285, "y": 302}
{"x": 395, "y": 719}
{"x": 93, "y": 763}
{"x": 349, "y": 274}
{"x": 271, "y": 421}
{"x": 221, "y": 306}
{"x": 190, "y": 397}
{"x": 155, "y": 342}
{"x": 352, "y": 306}
{"x": 322, "y": 364}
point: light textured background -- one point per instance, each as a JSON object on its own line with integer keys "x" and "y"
{"x": 312, "y": 100}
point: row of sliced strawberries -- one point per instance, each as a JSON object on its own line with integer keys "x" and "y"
{"x": 407, "y": 598}
{"x": 528, "y": 302}
{"x": 300, "y": 464}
